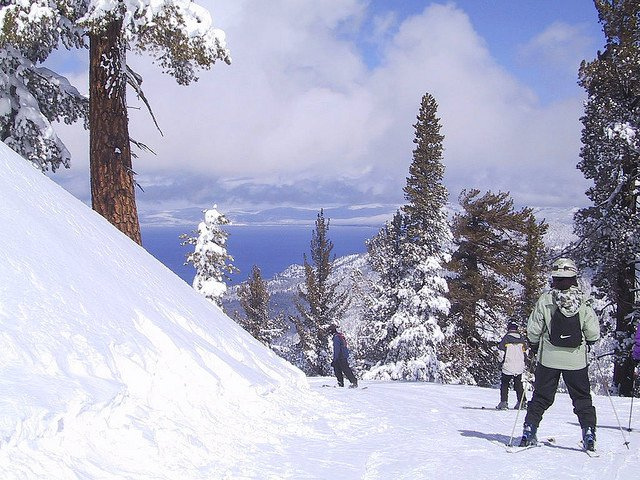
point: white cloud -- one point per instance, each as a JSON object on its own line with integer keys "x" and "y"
{"x": 560, "y": 45}
{"x": 299, "y": 103}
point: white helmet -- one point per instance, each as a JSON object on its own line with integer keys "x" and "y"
{"x": 564, "y": 268}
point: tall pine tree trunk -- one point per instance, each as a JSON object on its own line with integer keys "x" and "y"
{"x": 624, "y": 367}
{"x": 112, "y": 184}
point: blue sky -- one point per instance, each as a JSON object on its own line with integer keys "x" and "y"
{"x": 317, "y": 107}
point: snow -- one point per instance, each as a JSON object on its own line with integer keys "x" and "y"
{"x": 113, "y": 368}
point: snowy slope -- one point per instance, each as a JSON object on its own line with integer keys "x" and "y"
{"x": 110, "y": 363}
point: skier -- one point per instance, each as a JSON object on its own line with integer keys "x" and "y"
{"x": 636, "y": 346}
{"x": 340, "y": 361}
{"x": 562, "y": 328}
{"x": 513, "y": 345}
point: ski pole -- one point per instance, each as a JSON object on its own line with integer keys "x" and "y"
{"x": 513, "y": 430}
{"x": 606, "y": 385}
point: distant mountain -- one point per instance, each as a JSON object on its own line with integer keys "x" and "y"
{"x": 283, "y": 288}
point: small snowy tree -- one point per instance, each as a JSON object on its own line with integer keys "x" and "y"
{"x": 210, "y": 258}
{"x": 403, "y": 317}
{"x": 258, "y": 320}
{"x": 319, "y": 303}
{"x": 177, "y": 33}
{"x": 609, "y": 229}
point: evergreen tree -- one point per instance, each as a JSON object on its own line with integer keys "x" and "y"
{"x": 488, "y": 270}
{"x": 31, "y": 98}
{"x": 176, "y": 32}
{"x": 319, "y": 302}
{"x": 534, "y": 260}
{"x": 609, "y": 229}
{"x": 254, "y": 299}
{"x": 210, "y": 258}
{"x": 383, "y": 294}
{"x": 402, "y": 321}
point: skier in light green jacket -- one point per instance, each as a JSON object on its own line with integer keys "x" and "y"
{"x": 561, "y": 329}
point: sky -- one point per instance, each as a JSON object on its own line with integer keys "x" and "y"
{"x": 318, "y": 106}
{"x": 112, "y": 368}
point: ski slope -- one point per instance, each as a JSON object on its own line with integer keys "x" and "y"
{"x": 111, "y": 367}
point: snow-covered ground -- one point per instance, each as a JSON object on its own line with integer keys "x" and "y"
{"x": 111, "y": 367}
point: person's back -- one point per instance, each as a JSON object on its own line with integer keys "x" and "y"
{"x": 513, "y": 344}
{"x": 340, "y": 361}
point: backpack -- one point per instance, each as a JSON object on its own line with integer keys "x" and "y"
{"x": 565, "y": 331}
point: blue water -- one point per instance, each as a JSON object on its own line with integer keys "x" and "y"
{"x": 272, "y": 248}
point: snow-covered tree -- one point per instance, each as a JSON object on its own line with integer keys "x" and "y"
{"x": 31, "y": 98}
{"x": 258, "y": 320}
{"x": 210, "y": 257}
{"x": 177, "y": 33}
{"x": 494, "y": 243}
{"x": 402, "y": 321}
{"x": 319, "y": 303}
{"x": 609, "y": 229}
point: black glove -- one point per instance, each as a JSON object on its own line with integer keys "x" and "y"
{"x": 589, "y": 345}
{"x": 534, "y": 348}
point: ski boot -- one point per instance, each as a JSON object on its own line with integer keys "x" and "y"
{"x": 528, "y": 436}
{"x": 589, "y": 438}
{"x": 503, "y": 405}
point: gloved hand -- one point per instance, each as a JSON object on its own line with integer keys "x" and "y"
{"x": 534, "y": 348}
{"x": 589, "y": 345}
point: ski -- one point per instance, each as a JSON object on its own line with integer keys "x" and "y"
{"x": 517, "y": 449}
{"x": 591, "y": 453}
{"x": 488, "y": 408}
{"x": 336, "y": 386}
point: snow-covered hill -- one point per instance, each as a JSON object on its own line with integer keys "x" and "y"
{"x": 110, "y": 365}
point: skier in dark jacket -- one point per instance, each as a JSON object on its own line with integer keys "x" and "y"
{"x": 340, "y": 361}
{"x": 513, "y": 345}
{"x": 561, "y": 329}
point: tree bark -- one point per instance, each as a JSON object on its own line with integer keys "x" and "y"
{"x": 112, "y": 183}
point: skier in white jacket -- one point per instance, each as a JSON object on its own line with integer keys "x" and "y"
{"x": 513, "y": 344}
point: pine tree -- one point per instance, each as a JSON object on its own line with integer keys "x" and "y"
{"x": 319, "y": 302}
{"x": 488, "y": 270}
{"x": 176, "y": 33}
{"x": 210, "y": 258}
{"x": 31, "y": 99}
{"x": 254, "y": 299}
{"x": 534, "y": 260}
{"x": 609, "y": 229}
{"x": 385, "y": 256}
{"x": 402, "y": 319}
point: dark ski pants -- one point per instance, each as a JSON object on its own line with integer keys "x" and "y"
{"x": 544, "y": 391}
{"x": 505, "y": 381}
{"x": 342, "y": 369}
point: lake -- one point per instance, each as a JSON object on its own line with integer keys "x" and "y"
{"x": 272, "y": 248}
